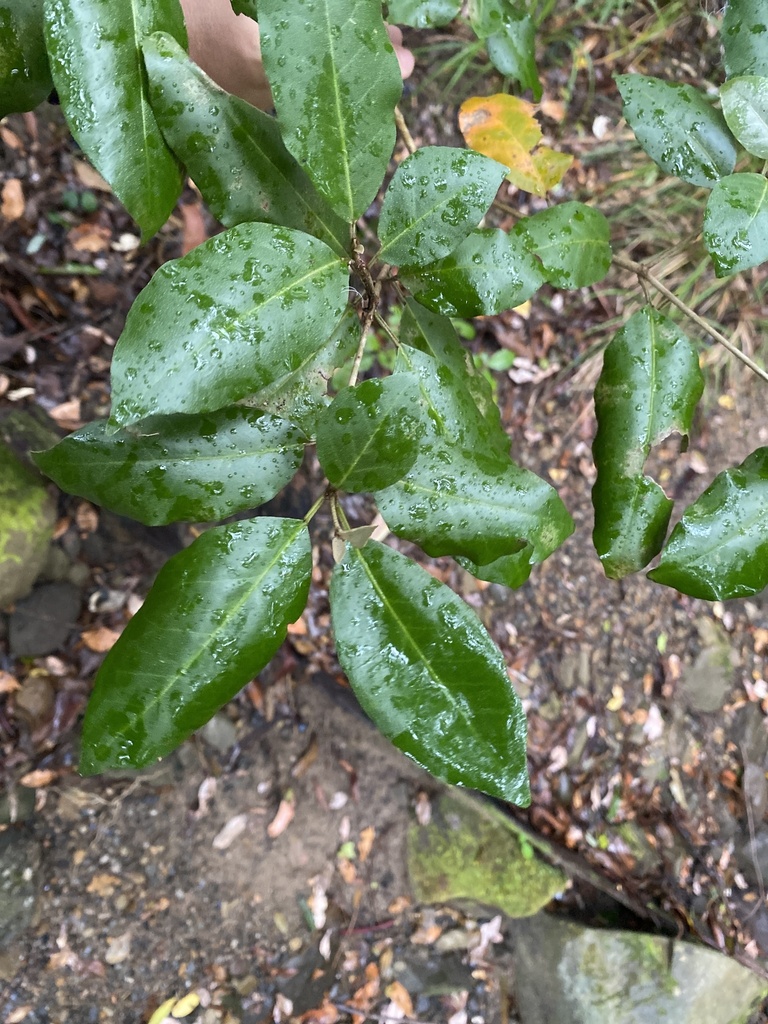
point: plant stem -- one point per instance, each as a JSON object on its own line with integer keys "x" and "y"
{"x": 313, "y": 511}
{"x": 370, "y": 313}
{"x": 405, "y": 135}
{"x": 646, "y": 275}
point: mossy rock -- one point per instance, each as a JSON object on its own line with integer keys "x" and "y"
{"x": 27, "y": 518}
{"x": 468, "y": 853}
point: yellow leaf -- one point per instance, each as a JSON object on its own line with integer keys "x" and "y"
{"x": 504, "y": 128}
{"x": 186, "y": 1005}
{"x": 162, "y": 1011}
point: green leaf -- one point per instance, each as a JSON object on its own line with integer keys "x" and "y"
{"x": 427, "y": 673}
{"x": 744, "y": 36}
{"x": 247, "y": 7}
{"x": 678, "y": 128}
{"x": 97, "y": 68}
{"x": 298, "y": 395}
{"x": 436, "y": 196}
{"x": 464, "y": 495}
{"x": 736, "y": 223}
{"x": 171, "y": 468}
{"x": 508, "y": 571}
{"x": 489, "y": 272}
{"x": 423, "y": 13}
{"x": 217, "y": 613}
{"x": 436, "y": 335}
{"x": 745, "y": 108}
{"x": 233, "y": 316}
{"x": 248, "y": 175}
{"x": 336, "y": 82}
{"x": 25, "y": 78}
{"x": 368, "y": 437}
{"x": 572, "y": 241}
{"x": 509, "y": 33}
{"x": 719, "y": 549}
{"x": 649, "y": 387}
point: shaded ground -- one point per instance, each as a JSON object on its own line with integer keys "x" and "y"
{"x": 646, "y": 709}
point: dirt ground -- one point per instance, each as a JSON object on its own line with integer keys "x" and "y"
{"x": 209, "y": 874}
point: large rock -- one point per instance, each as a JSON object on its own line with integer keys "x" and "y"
{"x": 471, "y": 853}
{"x": 566, "y": 972}
{"x": 27, "y": 517}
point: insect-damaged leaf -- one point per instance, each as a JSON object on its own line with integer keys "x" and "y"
{"x": 504, "y": 128}
{"x": 216, "y": 614}
{"x": 335, "y": 81}
{"x": 719, "y": 549}
{"x": 427, "y": 673}
{"x": 95, "y": 52}
{"x": 196, "y": 468}
{"x": 649, "y": 387}
{"x": 248, "y": 174}
{"x": 233, "y": 316}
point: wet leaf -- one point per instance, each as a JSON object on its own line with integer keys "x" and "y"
{"x": 300, "y": 394}
{"x": 234, "y": 316}
{"x": 744, "y": 36}
{"x": 247, "y": 7}
{"x": 25, "y": 78}
{"x": 572, "y": 241}
{"x": 422, "y": 13}
{"x": 745, "y": 108}
{"x": 215, "y": 616}
{"x": 95, "y": 52}
{"x": 504, "y": 128}
{"x": 196, "y": 468}
{"x": 736, "y": 223}
{"x": 368, "y": 437}
{"x": 508, "y": 571}
{"x": 427, "y": 673}
{"x": 435, "y": 198}
{"x": 719, "y": 549}
{"x": 489, "y": 272}
{"x": 248, "y": 174}
{"x": 464, "y": 495}
{"x": 679, "y": 128}
{"x": 649, "y": 387}
{"x": 509, "y": 35}
{"x": 335, "y": 81}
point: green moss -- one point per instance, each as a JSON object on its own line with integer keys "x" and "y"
{"x": 27, "y": 517}
{"x": 464, "y": 854}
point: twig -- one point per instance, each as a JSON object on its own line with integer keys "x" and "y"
{"x": 355, "y": 1012}
{"x": 405, "y": 135}
{"x": 645, "y": 275}
{"x": 370, "y": 313}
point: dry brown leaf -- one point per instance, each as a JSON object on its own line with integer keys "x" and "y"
{"x": 67, "y": 414}
{"x": 12, "y": 200}
{"x": 365, "y": 845}
{"x": 284, "y": 816}
{"x": 8, "y": 683}
{"x": 119, "y": 948}
{"x": 11, "y": 139}
{"x": 90, "y": 177}
{"x": 92, "y": 238}
{"x": 100, "y": 640}
{"x": 325, "y": 1014}
{"x": 103, "y": 885}
{"x": 400, "y": 996}
{"x": 298, "y": 628}
{"x": 194, "y": 232}
{"x": 347, "y": 870}
{"x": 38, "y": 778}
{"x": 19, "y": 1014}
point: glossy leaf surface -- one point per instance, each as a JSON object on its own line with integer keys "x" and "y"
{"x": 233, "y": 316}
{"x": 572, "y": 241}
{"x": 335, "y": 81}
{"x": 719, "y": 549}
{"x": 25, "y": 78}
{"x": 504, "y": 127}
{"x": 427, "y": 673}
{"x": 369, "y": 435}
{"x": 745, "y": 108}
{"x": 300, "y": 394}
{"x": 422, "y": 13}
{"x": 217, "y": 613}
{"x": 174, "y": 468}
{"x": 744, "y": 37}
{"x": 679, "y": 128}
{"x": 649, "y": 387}
{"x": 508, "y": 571}
{"x": 233, "y": 152}
{"x": 436, "y": 196}
{"x": 509, "y": 35}
{"x": 98, "y": 70}
{"x": 489, "y": 272}
{"x": 464, "y": 495}
{"x": 736, "y": 223}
